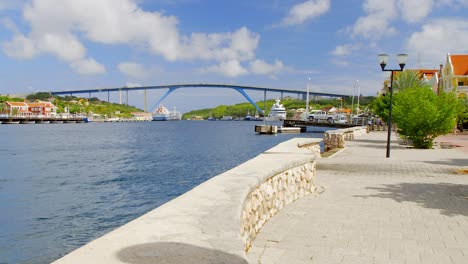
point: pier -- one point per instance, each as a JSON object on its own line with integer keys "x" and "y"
{"x": 6, "y": 119}
{"x": 317, "y": 123}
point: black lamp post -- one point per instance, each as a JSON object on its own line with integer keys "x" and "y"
{"x": 383, "y": 59}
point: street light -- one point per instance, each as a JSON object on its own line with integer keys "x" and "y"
{"x": 383, "y": 60}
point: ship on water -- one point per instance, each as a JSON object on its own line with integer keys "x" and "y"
{"x": 163, "y": 114}
{"x": 277, "y": 112}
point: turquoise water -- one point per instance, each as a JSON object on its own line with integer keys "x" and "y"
{"x": 63, "y": 185}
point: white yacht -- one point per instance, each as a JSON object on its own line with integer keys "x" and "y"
{"x": 163, "y": 114}
{"x": 277, "y": 112}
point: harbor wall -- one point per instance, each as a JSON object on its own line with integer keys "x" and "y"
{"x": 337, "y": 138}
{"x": 216, "y": 221}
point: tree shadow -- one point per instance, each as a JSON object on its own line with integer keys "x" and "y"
{"x": 175, "y": 253}
{"x": 450, "y": 162}
{"x": 378, "y": 143}
{"x": 450, "y": 199}
{"x": 373, "y": 141}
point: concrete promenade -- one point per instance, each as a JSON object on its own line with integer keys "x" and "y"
{"x": 410, "y": 208}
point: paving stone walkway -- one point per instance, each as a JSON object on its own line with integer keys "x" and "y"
{"x": 410, "y": 208}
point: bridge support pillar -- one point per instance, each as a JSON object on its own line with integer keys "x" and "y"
{"x": 241, "y": 91}
{"x": 145, "y": 101}
{"x": 126, "y": 97}
{"x": 162, "y": 98}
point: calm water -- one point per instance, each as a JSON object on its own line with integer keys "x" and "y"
{"x": 62, "y": 185}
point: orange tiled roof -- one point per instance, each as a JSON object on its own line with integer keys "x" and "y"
{"x": 460, "y": 64}
{"x": 40, "y": 104}
{"x": 428, "y": 72}
{"x": 16, "y": 103}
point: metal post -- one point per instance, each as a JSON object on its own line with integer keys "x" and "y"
{"x": 108, "y": 96}
{"x": 352, "y": 99}
{"x": 390, "y": 116}
{"x": 126, "y": 97}
{"x": 264, "y": 107}
{"x": 307, "y": 100}
{"x": 145, "y": 100}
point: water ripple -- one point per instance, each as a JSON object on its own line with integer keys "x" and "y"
{"x": 63, "y": 186}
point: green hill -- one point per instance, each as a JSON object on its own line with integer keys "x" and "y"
{"x": 77, "y": 105}
{"x": 242, "y": 109}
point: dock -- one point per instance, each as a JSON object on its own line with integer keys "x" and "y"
{"x": 40, "y": 119}
{"x": 317, "y": 123}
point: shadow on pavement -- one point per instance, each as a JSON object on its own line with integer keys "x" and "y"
{"x": 172, "y": 252}
{"x": 450, "y": 162}
{"x": 373, "y": 141}
{"x": 450, "y": 199}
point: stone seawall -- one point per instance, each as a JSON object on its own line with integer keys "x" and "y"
{"x": 216, "y": 221}
{"x": 337, "y": 138}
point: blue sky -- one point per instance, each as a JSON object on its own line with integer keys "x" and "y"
{"x": 51, "y": 45}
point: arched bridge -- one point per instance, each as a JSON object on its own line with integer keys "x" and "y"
{"x": 171, "y": 88}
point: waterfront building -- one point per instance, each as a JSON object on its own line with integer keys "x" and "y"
{"x": 455, "y": 74}
{"x": 142, "y": 116}
{"x": 42, "y": 108}
{"x": 17, "y": 108}
{"x": 30, "y": 109}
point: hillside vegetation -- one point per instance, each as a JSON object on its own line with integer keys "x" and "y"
{"x": 76, "y": 105}
{"x": 291, "y": 104}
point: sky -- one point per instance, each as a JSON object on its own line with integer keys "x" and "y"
{"x": 56, "y": 45}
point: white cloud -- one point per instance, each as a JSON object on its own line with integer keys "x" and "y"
{"x": 343, "y": 50}
{"x": 415, "y": 10}
{"x": 65, "y": 46}
{"x": 231, "y": 68}
{"x": 20, "y": 47}
{"x": 307, "y": 10}
{"x": 133, "y": 69}
{"x": 438, "y": 38}
{"x": 261, "y": 67}
{"x": 60, "y": 27}
{"x": 377, "y": 21}
{"x": 238, "y": 45}
{"x": 87, "y": 67}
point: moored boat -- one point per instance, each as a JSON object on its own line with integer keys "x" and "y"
{"x": 277, "y": 112}
{"x": 42, "y": 122}
{"x": 163, "y": 114}
{"x": 10, "y": 122}
{"x": 227, "y": 118}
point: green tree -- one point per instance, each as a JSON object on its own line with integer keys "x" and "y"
{"x": 421, "y": 115}
{"x": 380, "y": 107}
{"x": 43, "y": 96}
{"x": 462, "y": 116}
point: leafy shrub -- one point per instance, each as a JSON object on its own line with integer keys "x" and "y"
{"x": 421, "y": 115}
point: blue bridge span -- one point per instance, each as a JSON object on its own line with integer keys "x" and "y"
{"x": 171, "y": 88}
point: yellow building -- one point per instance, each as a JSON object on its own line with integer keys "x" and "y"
{"x": 455, "y": 75}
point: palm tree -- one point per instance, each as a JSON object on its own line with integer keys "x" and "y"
{"x": 407, "y": 79}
